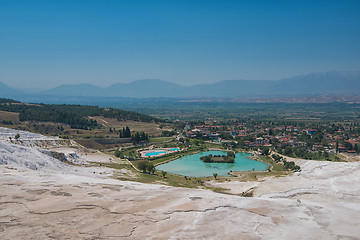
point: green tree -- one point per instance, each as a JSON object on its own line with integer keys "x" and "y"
{"x": 288, "y": 151}
{"x": 163, "y": 174}
{"x": 142, "y": 165}
{"x": 150, "y": 167}
{"x": 140, "y": 136}
{"x": 271, "y": 132}
{"x": 17, "y": 136}
{"x": 265, "y": 151}
{"x": 206, "y": 159}
{"x": 348, "y": 146}
{"x": 326, "y": 155}
{"x": 118, "y": 153}
{"x": 127, "y": 132}
{"x": 231, "y": 154}
{"x": 215, "y": 175}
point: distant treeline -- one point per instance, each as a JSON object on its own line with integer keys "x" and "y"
{"x": 73, "y": 115}
{"x": 7, "y": 100}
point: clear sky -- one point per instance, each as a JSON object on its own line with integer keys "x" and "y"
{"x": 51, "y": 42}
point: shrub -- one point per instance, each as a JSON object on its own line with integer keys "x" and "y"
{"x": 142, "y": 165}
{"x": 146, "y": 166}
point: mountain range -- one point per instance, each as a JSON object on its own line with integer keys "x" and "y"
{"x": 328, "y": 83}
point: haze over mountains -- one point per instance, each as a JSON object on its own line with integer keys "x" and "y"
{"x": 329, "y": 83}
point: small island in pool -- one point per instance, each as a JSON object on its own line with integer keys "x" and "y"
{"x": 229, "y": 158}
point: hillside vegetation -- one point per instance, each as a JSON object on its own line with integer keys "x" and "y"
{"x": 73, "y": 115}
{"x": 7, "y": 100}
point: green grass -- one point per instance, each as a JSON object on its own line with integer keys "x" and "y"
{"x": 212, "y": 145}
{"x": 115, "y": 165}
{"x": 332, "y": 158}
{"x": 276, "y": 167}
{"x": 169, "y": 179}
{"x": 161, "y": 139}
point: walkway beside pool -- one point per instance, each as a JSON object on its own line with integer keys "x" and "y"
{"x": 157, "y": 152}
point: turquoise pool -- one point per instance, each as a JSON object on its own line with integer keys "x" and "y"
{"x": 192, "y": 166}
{"x": 174, "y": 149}
{"x": 155, "y": 153}
{"x": 158, "y": 152}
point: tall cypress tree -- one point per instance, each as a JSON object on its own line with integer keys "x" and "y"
{"x": 127, "y": 132}
{"x": 337, "y": 147}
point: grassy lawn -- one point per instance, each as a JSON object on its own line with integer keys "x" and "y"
{"x": 169, "y": 179}
{"x": 213, "y": 145}
{"x": 332, "y": 157}
{"x": 276, "y": 167}
{"x": 161, "y": 139}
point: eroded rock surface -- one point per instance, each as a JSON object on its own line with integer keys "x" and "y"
{"x": 58, "y": 201}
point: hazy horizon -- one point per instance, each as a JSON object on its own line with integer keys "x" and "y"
{"x": 49, "y": 43}
{"x": 35, "y": 90}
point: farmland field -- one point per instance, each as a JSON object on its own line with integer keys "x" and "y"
{"x": 9, "y": 116}
{"x": 153, "y": 129}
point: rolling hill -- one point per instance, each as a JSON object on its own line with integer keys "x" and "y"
{"x": 328, "y": 83}
{"x": 8, "y": 92}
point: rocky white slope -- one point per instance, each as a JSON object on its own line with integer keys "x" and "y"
{"x": 7, "y": 133}
{"x": 58, "y": 201}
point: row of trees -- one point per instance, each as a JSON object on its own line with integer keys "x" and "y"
{"x": 277, "y": 158}
{"x": 290, "y": 165}
{"x": 140, "y": 137}
{"x": 302, "y": 152}
{"x": 125, "y": 133}
{"x": 147, "y": 166}
{"x": 229, "y": 158}
{"x": 136, "y": 137}
{"x": 287, "y": 165}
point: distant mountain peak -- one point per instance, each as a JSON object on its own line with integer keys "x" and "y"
{"x": 8, "y": 92}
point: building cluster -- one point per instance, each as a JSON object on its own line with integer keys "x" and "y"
{"x": 324, "y": 137}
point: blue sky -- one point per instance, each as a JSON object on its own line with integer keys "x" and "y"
{"x": 48, "y": 43}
